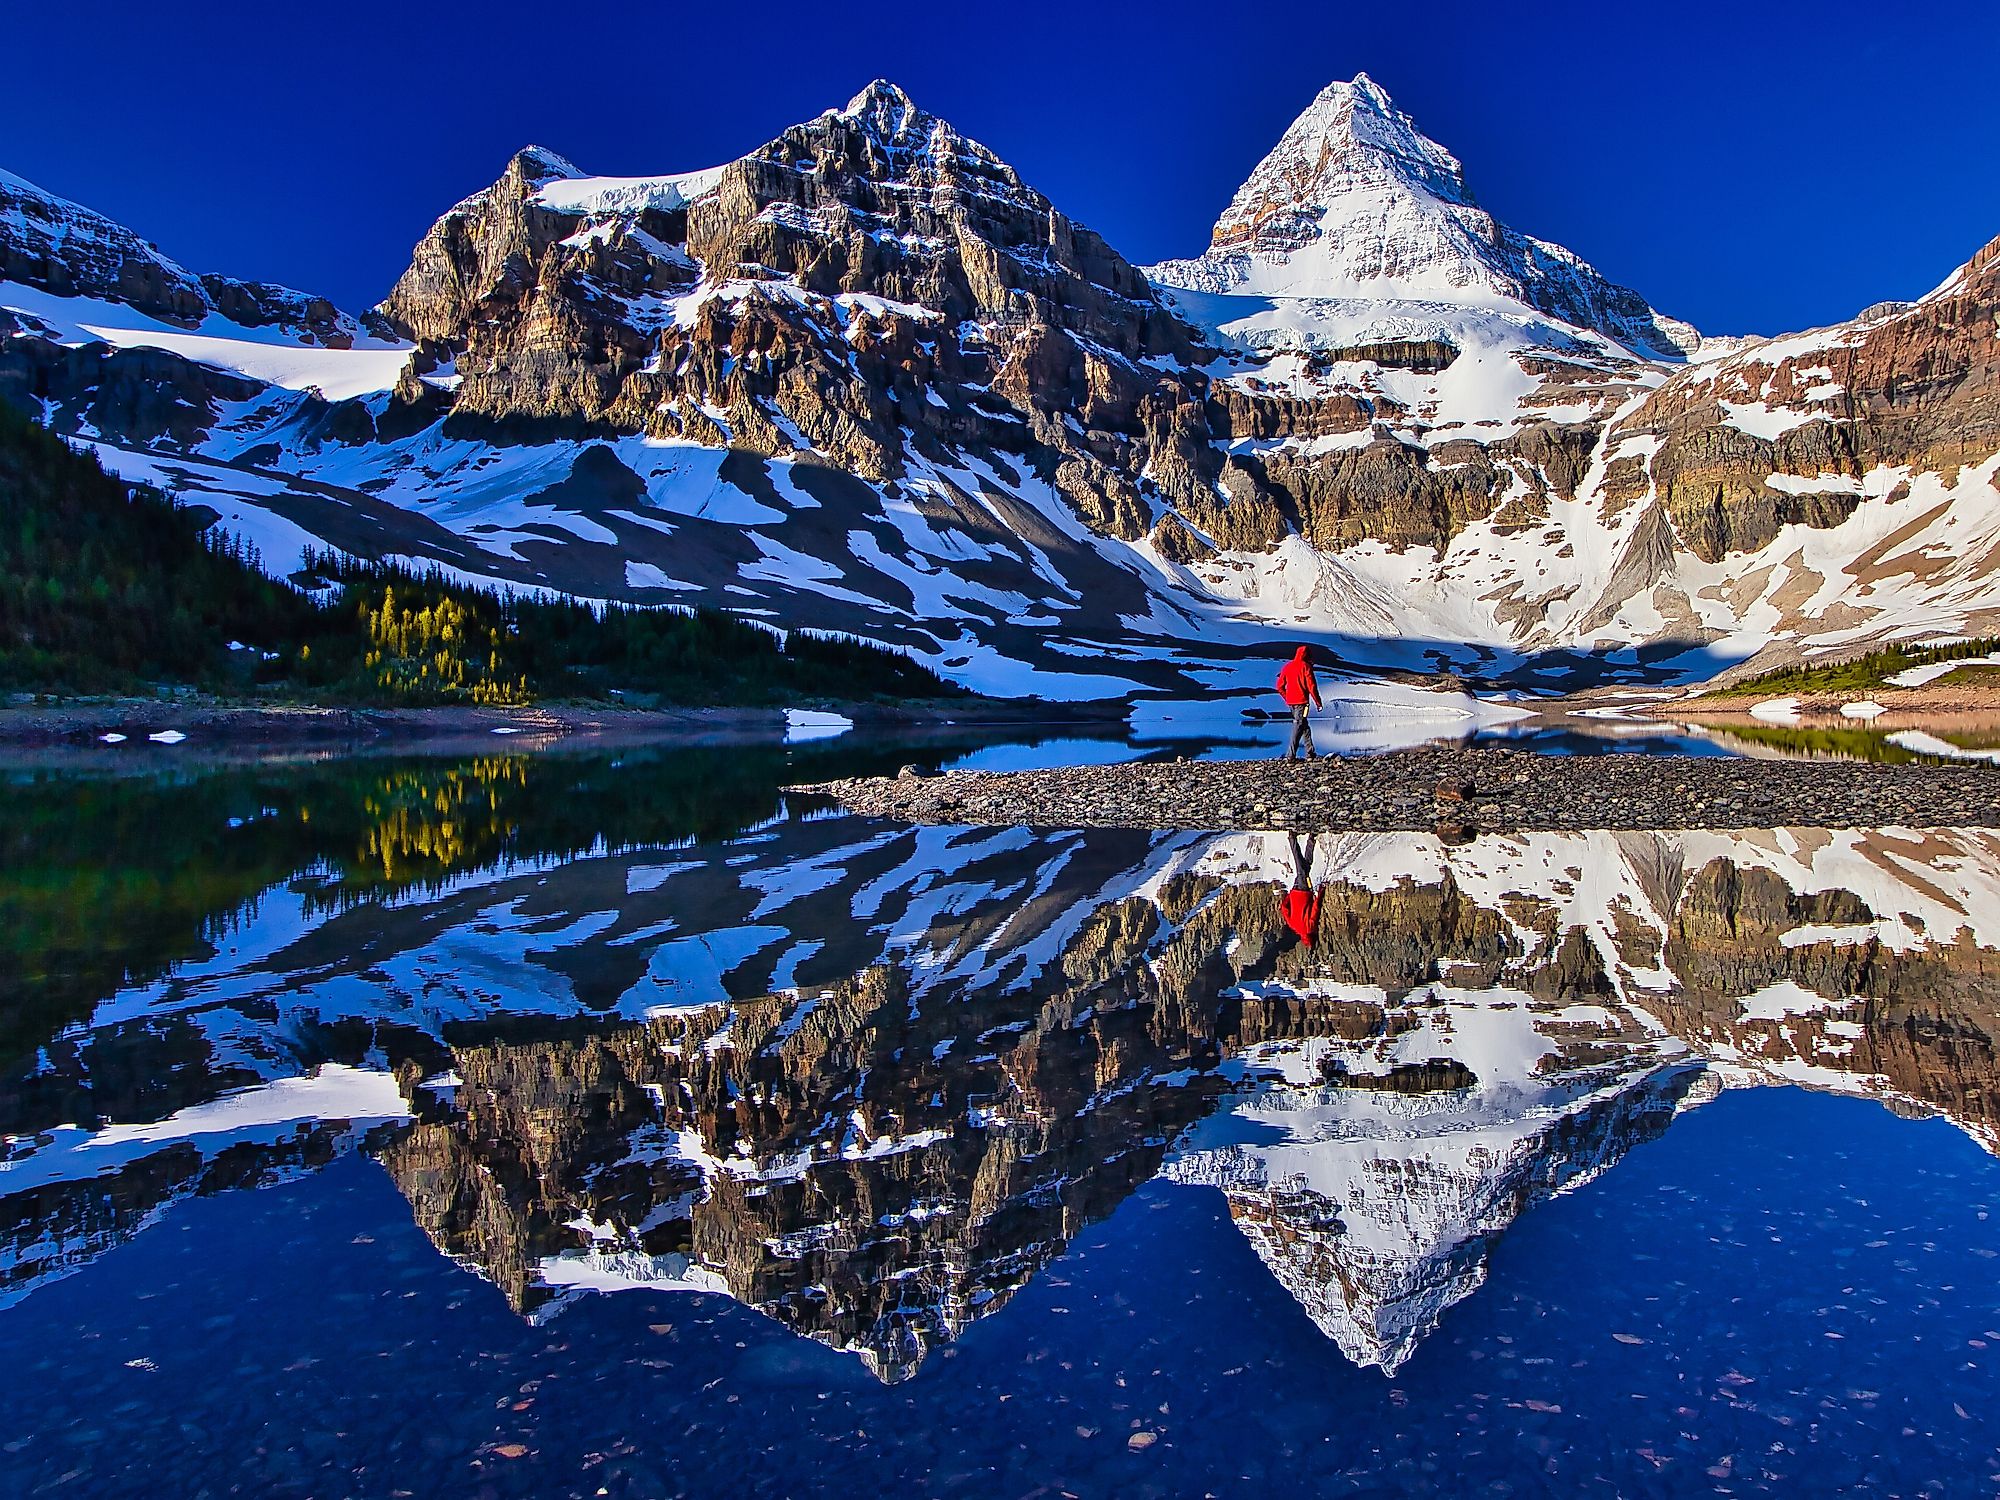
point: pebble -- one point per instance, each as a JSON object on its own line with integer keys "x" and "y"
{"x": 1457, "y": 791}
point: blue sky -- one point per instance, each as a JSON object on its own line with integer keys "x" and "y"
{"x": 1750, "y": 167}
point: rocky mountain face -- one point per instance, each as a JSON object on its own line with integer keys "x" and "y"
{"x": 865, "y": 378}
{"x": 1803, "y": 430}
{"x": 71, "y": 251}
{"x": 871, "y": 1080}
{"x": 868, "y": 281}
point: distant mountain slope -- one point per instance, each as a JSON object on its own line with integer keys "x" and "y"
{"x": 865, "y": 378}
{"x": 74, "y": 252}
{"x": 105, "y": 586}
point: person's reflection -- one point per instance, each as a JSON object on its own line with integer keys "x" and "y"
{"x": 1301, "y": 903}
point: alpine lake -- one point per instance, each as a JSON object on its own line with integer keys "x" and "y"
{"x": 550, "y": 1122}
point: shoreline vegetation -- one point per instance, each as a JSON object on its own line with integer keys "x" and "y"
{"x": 113, "y": 588}
{"x": 1962, "y": 661}
{"x": 1949, "y": 696}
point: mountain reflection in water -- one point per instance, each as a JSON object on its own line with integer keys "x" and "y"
{"x": 870, "y": 1079}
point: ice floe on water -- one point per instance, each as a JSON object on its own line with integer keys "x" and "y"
{"x": 1776, "y": 710}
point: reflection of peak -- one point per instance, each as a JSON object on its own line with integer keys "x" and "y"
{"x": 1376, "y": 1229}
{"x": 71, "y": 1194}
{"x": 834, "y": 1160}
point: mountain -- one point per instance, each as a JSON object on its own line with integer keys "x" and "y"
{"x": 865, "y": 378}
{"x": 1355, "y": 202}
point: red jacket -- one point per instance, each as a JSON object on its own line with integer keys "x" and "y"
{"x": 1301, "y": 909}
{"x": 1296, "y": 683}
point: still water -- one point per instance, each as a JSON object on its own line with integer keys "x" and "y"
{"x": 615, "y": 1125}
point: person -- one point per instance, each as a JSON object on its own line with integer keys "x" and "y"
{"x": 1300, "y": 904}
{"x": 1300, "y": 689}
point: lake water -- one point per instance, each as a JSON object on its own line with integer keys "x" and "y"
{"x": 562, "y": 1124}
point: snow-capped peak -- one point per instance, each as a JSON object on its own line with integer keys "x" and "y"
{"x": 1984, "y": 265}
{"x": 553, "y": 181}
{"x": 891, "y": 120}
{"x": 540, "y": 164}
{"x": 886, "y": 109}
{"x": 23, "y": 187}
{"x": 1355, "y": 202}
{"x": 1350, "y": 139}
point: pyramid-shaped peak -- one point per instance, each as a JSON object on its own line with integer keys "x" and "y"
{"x": 1360, "y": 89}
{"x": 879, "y": 94}
{"x": 886, "y": 112}
{"x": 1352, "y": 137}
{"x": 1355, "y": 201}
{"x": 1350, "y": 162}
{"x": 907, "y": 138}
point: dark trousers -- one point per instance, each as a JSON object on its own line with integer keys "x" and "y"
{"x": 1302, "y": 861}
{"x": 1301, "y": 730}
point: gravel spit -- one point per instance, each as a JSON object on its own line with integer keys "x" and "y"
{"x": 1452, "y": 790}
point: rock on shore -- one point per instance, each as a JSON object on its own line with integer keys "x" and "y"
{"x": 1454, "y": 790}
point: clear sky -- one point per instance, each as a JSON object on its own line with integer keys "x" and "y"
{"x": 1750, "y": 167}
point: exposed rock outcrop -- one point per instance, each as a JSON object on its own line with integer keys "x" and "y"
{"x": 1785, "y": 431}
{"x": 73, "y": 251}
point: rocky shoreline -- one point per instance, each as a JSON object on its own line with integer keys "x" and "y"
{"x": 1457, "y": 791}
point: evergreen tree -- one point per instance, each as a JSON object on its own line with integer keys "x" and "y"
{"x": 108, "y": 587}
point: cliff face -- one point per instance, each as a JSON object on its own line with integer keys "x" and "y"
{"x": 72, "y": 251}
{"x": 867, "y": 287}
{"x": 1790, "y": 431}
{"x": 69, "y": 251}
{"x": 875, "y": 289}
